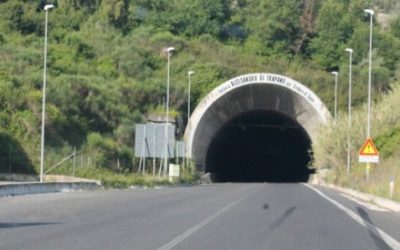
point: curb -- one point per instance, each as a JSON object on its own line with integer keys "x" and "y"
{"x": 48, "y": 187}
{"x": 381, "y": 202}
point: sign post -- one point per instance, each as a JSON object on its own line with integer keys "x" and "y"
{"x": 368, "y": 154}
{"x": 367, "y": 168}
{"x": 391, "y": 187}
{"x": 173, "y": 171}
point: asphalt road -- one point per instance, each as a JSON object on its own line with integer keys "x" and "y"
{"x": 220, "y": 216}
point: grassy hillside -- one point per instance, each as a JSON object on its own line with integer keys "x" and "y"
{"x": 107, "y": 68}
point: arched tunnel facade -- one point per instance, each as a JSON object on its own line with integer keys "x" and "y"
{"x": 255, "y": 128}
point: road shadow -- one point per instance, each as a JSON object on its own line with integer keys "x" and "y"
{"x": 25, "y": 224}
{"x": 372, "y": 230}
{"x": 278, "y": 222}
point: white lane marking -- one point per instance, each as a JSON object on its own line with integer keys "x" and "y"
{"x": 365, "y": 204}
{"x": 389, "y": 240}
{"x": 201, "y": 224}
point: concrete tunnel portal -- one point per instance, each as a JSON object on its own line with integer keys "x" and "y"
{"x": 255, "y": 128}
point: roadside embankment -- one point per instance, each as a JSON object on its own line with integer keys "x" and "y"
{"x": 379, "y": 201}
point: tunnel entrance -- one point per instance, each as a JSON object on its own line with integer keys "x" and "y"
{"x": 255, "y": 127}
{"x": 259, "y": 146}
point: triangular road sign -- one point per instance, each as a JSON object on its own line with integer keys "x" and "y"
{"x": 369, "y": 148}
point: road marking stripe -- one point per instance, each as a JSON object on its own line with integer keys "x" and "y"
{"x": 389, "y": 240}
{"x": 201, "y": 224}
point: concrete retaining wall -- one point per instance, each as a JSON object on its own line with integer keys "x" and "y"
{"x": 37, "y": 188}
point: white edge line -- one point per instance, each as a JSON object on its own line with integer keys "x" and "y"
{"x": 389, "y": 240}
{"x": 201, "y": 224}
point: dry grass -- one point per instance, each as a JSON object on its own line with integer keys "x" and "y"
{"x": 330, "y": 148}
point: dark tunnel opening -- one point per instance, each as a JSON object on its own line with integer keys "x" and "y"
{"x": 260, "y": 146}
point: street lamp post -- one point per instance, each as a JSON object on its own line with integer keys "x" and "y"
{"x": 189, "y": 83}
{"x": 190, "y": 73}
{"x": 336, "y": 74}
{"x": 169, "y": 50}
{"x": 350, "y": 51}
{"x": 46, "y": 9}
{"x": 371, "y": 13}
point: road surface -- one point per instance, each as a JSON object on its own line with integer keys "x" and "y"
{"x": 217, "y": 216}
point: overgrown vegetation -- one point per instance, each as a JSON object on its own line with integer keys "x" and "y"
{"x": 107, "y": 68}
{"x": 330, "y": 150}
{"x": 110, "y": 179}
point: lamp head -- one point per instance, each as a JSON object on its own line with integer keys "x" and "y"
{"x": 349, "y": 50}
{"x": 190, "y": 73}
{"x": 369, "y": 11}
{"x": 335, "y": 73}
{"x": 170, "y": 49}
{"x": 48, "y": 6}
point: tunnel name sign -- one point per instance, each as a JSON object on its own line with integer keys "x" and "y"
{"x": 270, "y": 79}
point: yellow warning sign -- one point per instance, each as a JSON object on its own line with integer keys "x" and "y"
{"x": 369, "y": 148}
{"x": 368, "y": 152}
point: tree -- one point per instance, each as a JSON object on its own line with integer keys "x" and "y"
{"x": 334, "y": 29}
{"x": 307, "y": 25}
{"x": 276, "y": 24}
{"x": 395, "y": 27}
{"x": 199, "y": 17}
{"x": 118, "y": 13}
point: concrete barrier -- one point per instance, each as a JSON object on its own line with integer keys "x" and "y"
{"x": 47, "y": 187}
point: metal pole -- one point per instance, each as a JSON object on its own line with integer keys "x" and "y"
{"x": 188, "y": 101}
{"x": 73, "y": 166}
{"x": 9, "y": 160}
{"x": 46, "y": 9}
{"x": 162, "y": 158}
{"x": 140, "y": 164}
{"x": 187, "y": 124}
{"x": 169, "y": 50}
{"x": 190, "y": 73}
{"x": 349, "y": 120}
{"x": 371, "y": 13}
{"x": 143, "y": 153}
{"x": 160, "y": 168}
{"x": 59, "y": 163}
{"x": 154, "y": 151}
{"x": 336, "y": 87}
